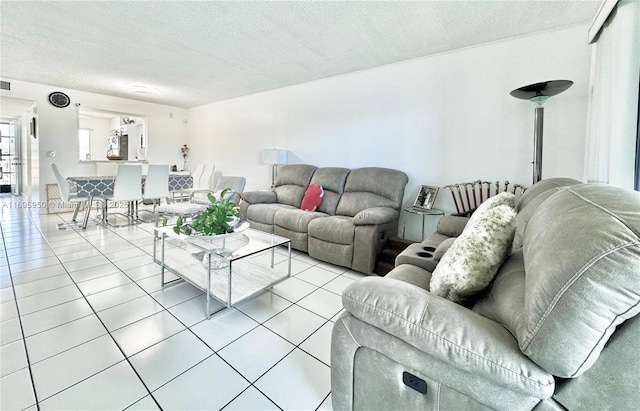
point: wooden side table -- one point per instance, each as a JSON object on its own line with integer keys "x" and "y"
{"x": 423, "y": 212}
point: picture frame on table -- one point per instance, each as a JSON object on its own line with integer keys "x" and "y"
{"x": 426, "y": 197}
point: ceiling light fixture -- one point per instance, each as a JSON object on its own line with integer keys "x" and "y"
{"x": 143, "y": 90}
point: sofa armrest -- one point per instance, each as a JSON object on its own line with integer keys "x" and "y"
{"x": 451, "y": 225}
{"x": 258, "y": 197}
{"x": 376, "y": 216}
{"x": 447, "y": 332}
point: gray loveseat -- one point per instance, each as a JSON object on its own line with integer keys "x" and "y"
{"x": 557, "y": 328}
{"x": 359, "y": 212}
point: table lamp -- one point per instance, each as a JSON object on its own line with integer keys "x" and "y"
{"x": 274, "y": 157}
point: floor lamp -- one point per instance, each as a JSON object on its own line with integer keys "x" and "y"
{"x": 538, "y": 93}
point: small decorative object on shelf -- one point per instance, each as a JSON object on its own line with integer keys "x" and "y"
{"x": 221, "y": 217}
{"x": 185, "y": 152}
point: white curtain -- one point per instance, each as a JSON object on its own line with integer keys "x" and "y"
{"x": 613, "y": 98}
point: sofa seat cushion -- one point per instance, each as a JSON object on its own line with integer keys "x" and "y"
{"x": 334, "y": 229}
{"x": 265, "y": 213}
{"x": 581, "y": 253}
{"x": 296, "y": 220}
{"x": 475, "y": 256}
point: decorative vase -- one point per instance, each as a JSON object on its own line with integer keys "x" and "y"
{"x": 184, "y": 163}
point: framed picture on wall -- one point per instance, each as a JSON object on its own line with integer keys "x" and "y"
{"x": 426, "y": 197}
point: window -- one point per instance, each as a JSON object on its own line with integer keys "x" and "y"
{"x": 84, "y": 143}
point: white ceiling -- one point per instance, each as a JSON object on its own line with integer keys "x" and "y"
{"x": 200, "y": 52}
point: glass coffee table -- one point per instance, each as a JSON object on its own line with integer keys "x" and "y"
{"x": 224, "y": 267}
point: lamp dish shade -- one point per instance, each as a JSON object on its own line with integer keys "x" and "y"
{"x": 274, "y": 156}
{"x": 546, "y": 88}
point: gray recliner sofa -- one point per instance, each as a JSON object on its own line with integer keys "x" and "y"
{"x": 359, "y": 212}
{"x": 556, "y": 329}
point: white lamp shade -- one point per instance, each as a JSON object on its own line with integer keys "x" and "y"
{"x": 274, "y": 156}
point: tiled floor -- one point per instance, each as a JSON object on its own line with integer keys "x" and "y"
{"x": 85, "y": 325}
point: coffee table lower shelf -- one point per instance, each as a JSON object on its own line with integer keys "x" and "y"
{"x": 239, "y": 280}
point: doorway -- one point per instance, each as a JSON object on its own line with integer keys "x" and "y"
{"x": 9, "y": 159}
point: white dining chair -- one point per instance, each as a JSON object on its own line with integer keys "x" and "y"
{"x": 204, "y": 184}
{"x": 127, "y": 188}
{"x": 68, "y": 197}
{"x": 185, "y": 194}
{"x": 156, "y": 185}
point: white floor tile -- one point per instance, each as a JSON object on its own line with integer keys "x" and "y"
{"x": 322, "y": 302}
{"x": 56, "y": 340}
{"x": 145, "y": 404}
{"x": 293, "y": 289}
{"x": 251, "y": 399}
{"x": 12, "y": 358}
{"x": 256, "y": 352}
{"x": 152, "y": 284}
{"x": 16, "y": 391}
{"x": 115, "y": 296}
{"x": 54, "y": 316}
{"x": 295, "y": 324}
{"x": 79, "y": 255}
{"x": 223, "y": 328}
{"x": 317, "y": 276}
{"x": 78, "y": 364}
{"x": 319, "y": 344}
{"x": 308, "y": 382}
{"x": 34, "y": 255}
{"x": 6, "y": 294}
{"x": 103, "y": 283}
{"x": 10, "y": 331}
{"x": 354, "y": 274}
{"x": 192, "y": 390}
{"x": 48, "y": 299}
{"x": 86, "y": 263}
{"x": 338, "y": 284}
{"x": 333, "y": 268}
{"x": 297, "y": 266}
{"x": 37, "y": 274}
{"x": 34, "y": 264}
{"x": 133, "y": 262}
{"x": 326, "y": 404}
{"x": 129, "y": 312}
{"x": 8, "y": 311}
{"x": 94, "y": 272}
{"x": 164, "y": 361}
{"x": 175, "y": 294}
{"x": 264, "y": 306}
{"x": 124, "y": 254}
{"x": 142, "y": 334}
{"x": 112, "y": 389}
{"x": 39, "y": 286}
{"x": 194, "y": 310}
{"x": 144, "y": 271}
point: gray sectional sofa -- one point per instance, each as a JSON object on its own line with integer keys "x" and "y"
{"x": 556, "y": 329}
{"x": 359, "y": 212}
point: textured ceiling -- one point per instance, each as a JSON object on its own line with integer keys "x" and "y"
{"x": 200, "y": 52}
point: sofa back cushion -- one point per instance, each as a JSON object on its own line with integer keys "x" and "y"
{"x": 332, "y": 180}
{"x": 531, "y": 200}
{"x": 292, "y": 182}
{"x": 581, "y": 253}
{"x": 372, "y": 187}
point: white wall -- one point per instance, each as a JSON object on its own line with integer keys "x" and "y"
{"x": 442, "y": 119}
{"x": 58, "y": 130}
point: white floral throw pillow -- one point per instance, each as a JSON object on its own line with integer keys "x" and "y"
{"x": 476, "y": 255}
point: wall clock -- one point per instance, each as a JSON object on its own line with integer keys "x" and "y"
{"x": 59, "y": 99}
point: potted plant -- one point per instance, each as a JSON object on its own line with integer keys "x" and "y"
{"x": 219, "y": 218}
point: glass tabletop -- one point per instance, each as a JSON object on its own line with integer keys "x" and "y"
{"x": 239, "y": 245}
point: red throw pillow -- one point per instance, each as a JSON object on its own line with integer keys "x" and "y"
{"x": 312, "y": 197}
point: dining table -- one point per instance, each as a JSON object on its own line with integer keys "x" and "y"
{"x": 99, "y": 186}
